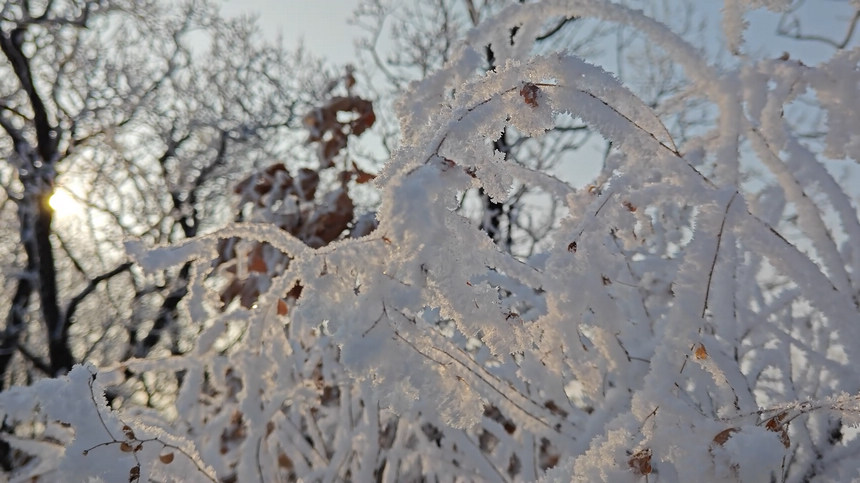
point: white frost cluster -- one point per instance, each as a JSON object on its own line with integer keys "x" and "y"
{"x": 683, "y": 324}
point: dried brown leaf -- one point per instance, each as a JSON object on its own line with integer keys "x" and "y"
{"x": 640, "y": 462}
{"x": 700, "y": 352}
{"x": 257, "y": 264}
{"x": 724, "y": 435}
{"x": 529, "y": 93}
{"x": 776, "y": 425}
{"x": 284, "y": 461}
{"x": 362, "y": 177}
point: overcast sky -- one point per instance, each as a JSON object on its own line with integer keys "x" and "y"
{"x": 322, "y": 24}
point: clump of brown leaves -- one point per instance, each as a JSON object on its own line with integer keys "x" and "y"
{"x": 296, "y": 202}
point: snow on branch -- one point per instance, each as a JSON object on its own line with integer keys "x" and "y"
{"x": 683, "y": 325}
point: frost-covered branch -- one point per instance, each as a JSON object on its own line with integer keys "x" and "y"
{"x": 692, "y": 315}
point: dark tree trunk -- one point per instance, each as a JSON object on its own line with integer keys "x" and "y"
{"x": 36, "y": 170}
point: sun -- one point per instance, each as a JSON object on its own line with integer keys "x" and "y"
{"x": 64, "y": 203}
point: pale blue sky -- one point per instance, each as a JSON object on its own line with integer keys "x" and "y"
{"x": 322, "y": 24}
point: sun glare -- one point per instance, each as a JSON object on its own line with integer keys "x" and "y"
{"x": 64, "y": 204}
